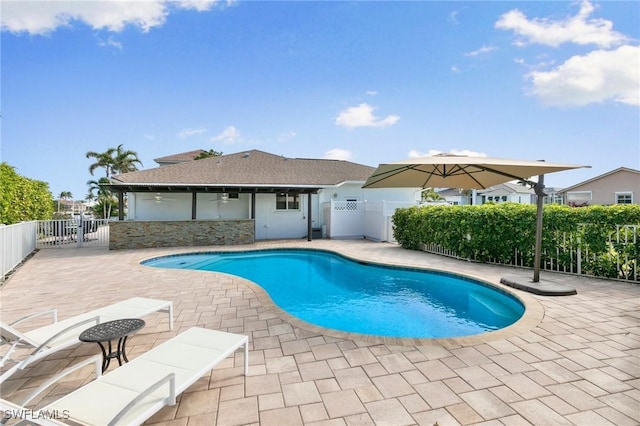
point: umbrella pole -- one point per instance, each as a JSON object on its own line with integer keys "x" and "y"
{"x": 539, "y": 189}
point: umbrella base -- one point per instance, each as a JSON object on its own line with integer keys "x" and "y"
{"x": 543, "y": 288}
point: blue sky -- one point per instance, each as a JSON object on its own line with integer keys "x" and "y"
{"x": 369, "y": 82}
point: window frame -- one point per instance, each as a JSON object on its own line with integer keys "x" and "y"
{"x": 581, "y": 200}
{"x": 289, "y": 199}
{"x": 623, "y": 194}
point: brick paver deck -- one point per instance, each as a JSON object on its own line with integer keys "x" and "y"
{"x": 572, "y": 360}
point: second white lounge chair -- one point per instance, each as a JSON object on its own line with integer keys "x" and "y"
{"x": 132, "y": 393}
{"x": 60, "y": 335}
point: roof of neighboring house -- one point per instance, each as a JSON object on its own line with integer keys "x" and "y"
{"x": 450, "y": 192}
{"x": 614, "y": 171}
{"x": 252, "y": 170}
{"x": 179, "y": 158}
{"x": 507, "y": 188}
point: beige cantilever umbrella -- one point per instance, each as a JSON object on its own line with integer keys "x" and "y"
{"x": 459, "y": 171}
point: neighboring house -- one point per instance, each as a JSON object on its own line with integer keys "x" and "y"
{"x": 619, "y": 186}
{"x": 282, "y": 197}
{"x": 456, "y": 196}
{"x": 178, "y": 158}
{"x": 506, "y": 193}
{"x": 553, "y": 195}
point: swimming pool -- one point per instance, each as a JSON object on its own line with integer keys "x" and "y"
{"x": 332, "y": 291}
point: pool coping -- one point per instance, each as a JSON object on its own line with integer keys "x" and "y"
{"x": 532, "y": 316}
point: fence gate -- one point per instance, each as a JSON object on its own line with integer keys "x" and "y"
{"x": 72, "y": 233}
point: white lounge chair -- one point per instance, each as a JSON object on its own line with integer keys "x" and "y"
{"x": 60, "y": 335}
{"x": 132, "y": 393}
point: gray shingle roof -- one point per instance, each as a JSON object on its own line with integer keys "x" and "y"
{"x": 507, "y": 188}
{"x": 179, "y": 158}
{"x": 248, "y": 168}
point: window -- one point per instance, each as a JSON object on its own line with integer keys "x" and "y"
{"x": 624, "y": 198}
{"x": 578, "y": 197}
{"x": 287, "y": 201}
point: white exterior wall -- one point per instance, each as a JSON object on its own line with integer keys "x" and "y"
{"x": 271, "y": 223}
{"x": 210, "y": 206}
{"x": 143, "y": 206}
{"x": 392, "y": 194}
{"x": 275, "y": 224}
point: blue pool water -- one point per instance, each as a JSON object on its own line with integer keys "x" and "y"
{"x": 332, "y": 291}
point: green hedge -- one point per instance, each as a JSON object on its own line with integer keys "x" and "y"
{"x": 495, "y": 232}
{"x": 21, "y": 198}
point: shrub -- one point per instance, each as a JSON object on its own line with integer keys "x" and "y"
{"x": 500, "y": 232}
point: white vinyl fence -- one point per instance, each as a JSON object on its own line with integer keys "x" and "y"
{"x": 72, "y": 233}
{"x": 361, "y": 219}
{"x": 17, "y": 241}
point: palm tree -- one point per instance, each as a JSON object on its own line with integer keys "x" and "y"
{"x": 103, "y": 159}
{"x": 104, "y": 195}
{"x": 431, "y": 195}
{"x": 125, "y": 161}
{"x": 64, "y": 195}
{"x": 114, "y": 161}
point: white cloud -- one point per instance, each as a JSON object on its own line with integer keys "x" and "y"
{"x": 43, "y": 17}
{"x": 417, "y": 154}
{"x": 371, "y": 92}
{"x": 596, "y": 77}
{"x": 362, "y": 116}
{"x": 338, "y": 154}
{"x": 455, "y": 69}
{"x": 483, "y": 50}
{"x": 110, "y": 42}
{"x": 578, "y": 29}
{"x": 453, "y": 16}
{"x": 230, "y": 136}
{"x": 286, "y": 136}
{"x": 185, "y": 133}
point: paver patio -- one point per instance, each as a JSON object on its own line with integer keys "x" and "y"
{"x": 572, "y": 360}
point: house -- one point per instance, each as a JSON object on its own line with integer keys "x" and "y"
{"x": 502, "y": 193}
{"x": 238, "y": 198}
{"x": 456, "y": 196}
{"x": 619, "y": 186}
{"x": 178, "y": 158}
{"x": 506, "y": 193}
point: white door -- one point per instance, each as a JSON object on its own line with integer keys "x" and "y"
{"x": 262, "y": 216}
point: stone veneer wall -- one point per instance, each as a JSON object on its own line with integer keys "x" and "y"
{"x": 180, "y": 233}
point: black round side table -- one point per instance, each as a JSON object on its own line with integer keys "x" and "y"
{"x": 111, "y": 330}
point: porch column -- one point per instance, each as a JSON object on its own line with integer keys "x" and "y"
{"x": 309, "y": 221}
{"x": 120, "y": 206}
{"x": 253, "y": 205}
{"x": 194, "y": 196}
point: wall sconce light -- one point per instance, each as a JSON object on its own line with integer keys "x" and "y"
{"x": 224, "y": 197}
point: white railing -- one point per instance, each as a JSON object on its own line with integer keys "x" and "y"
{"x": 573, "y": 257}
{"x": 72, "y": 233}
{"x": 17, "y": 241}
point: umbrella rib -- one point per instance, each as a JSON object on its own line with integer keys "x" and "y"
{"x": 390, "y": 173}
{"x": 509, "y": 175}
{"x": 464, "y": 170}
